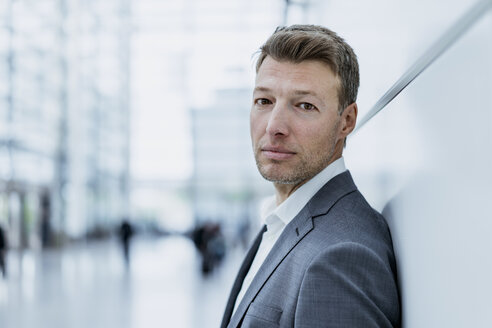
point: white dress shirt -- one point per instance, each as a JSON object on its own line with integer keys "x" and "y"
{"x": 277, "y": 217}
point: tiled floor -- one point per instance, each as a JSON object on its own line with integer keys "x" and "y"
{"x": 88, "y": 286}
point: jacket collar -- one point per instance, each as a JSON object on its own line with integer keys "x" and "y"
{"x": 330, "y": 193}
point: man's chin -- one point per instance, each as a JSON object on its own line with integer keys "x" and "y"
{"x": 280, "y": 173}
{"x": 280, "y": 179}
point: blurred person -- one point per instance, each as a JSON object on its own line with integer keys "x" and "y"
{"x": 209, "y": 241}
{"x": 324, "y": 257}
{"x": 126, "y": 233}
{"x": 3, "y": 251}
{"x": 45, "y": 220}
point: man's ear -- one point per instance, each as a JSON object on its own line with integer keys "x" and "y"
{"x": 348, "y": 118}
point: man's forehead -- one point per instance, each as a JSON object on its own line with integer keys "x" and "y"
{"x": 269, "y": 59}
{"x": 304, "y": 78}
{"x": 309, "y": 69}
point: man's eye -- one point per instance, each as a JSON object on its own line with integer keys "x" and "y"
{"x": 262, "y": 101}
{"x": 307, "y": 106}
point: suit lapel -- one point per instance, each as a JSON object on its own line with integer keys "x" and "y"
{"x": 293, "y": 233}
{"x": 289, "y": 238}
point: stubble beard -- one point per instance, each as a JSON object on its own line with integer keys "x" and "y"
{"x": 306, "y": 168}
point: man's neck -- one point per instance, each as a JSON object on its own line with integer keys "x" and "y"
{"x": 284, "y": 190}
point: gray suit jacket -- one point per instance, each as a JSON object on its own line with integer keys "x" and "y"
{"x": 332, "y": 266}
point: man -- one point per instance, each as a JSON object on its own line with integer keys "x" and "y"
{"x": 326, "y": 257}
{"x": 126, "y": 234}
{"x": 3, "y": 251}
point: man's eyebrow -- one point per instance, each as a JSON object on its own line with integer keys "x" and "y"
{"x": 305, "y": 92}
{"x": 262, "y": 89}
{"x": 309, "y": 93}
{"x": 296, "y": 92}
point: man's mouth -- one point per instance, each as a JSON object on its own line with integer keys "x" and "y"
{"x": 277, "y": 153}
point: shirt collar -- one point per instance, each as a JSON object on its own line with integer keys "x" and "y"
{"x": 295, "y": 202}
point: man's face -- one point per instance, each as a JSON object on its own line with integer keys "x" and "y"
{"x": 295, "y": 125}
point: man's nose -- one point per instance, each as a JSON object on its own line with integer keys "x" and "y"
{"x": 278, "y": 121}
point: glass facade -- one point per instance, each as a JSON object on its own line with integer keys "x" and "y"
{"x": 64, "y": 117}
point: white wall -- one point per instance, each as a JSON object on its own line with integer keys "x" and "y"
{"x": 426, "y": 161}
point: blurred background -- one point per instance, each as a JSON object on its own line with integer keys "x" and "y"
{"x": 128, "y": 189}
